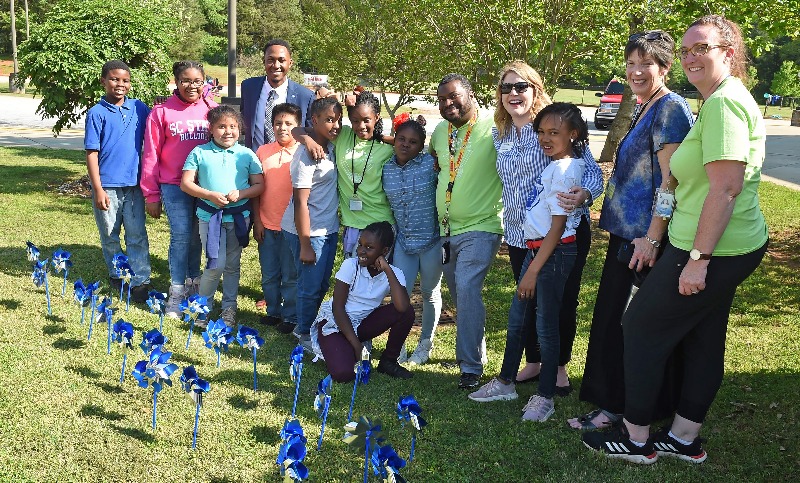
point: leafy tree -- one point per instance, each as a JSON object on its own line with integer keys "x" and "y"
{"x": 786, "y": 82}
{"x": 66, "y": 51}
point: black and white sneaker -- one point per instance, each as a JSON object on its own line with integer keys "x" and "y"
{"x": 666, "y": 445}
{"x": 616, "y": 443}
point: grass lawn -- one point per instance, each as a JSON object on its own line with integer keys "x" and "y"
{"x": 67, "y": 417}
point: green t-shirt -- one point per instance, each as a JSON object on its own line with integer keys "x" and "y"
{"x": 476, "y": 200}
{"x": 729, "y": 127}
{"x": 351, "y": 155}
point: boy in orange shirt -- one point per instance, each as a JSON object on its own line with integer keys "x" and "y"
{"x": 278, "y": 272}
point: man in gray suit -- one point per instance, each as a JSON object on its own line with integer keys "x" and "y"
{"x": 261, "y": 94}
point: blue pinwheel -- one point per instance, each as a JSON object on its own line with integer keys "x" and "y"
{"x": 296, "y": 372}
{"x": 387, "y": 464}
{"x": 122, "y": 334}
{"x": 363, "y": 435}
{"x": 33, "y": 252}
{"x": 152, "y": 339}
{"x": 292, "y": 452}
{"x": 104, "y": 306}
{"x": 195, "y": 387}
{"x": 322, "y": 403}
{"x": 248, "y": 338}
{"x": 408, "y": 409}
{"x": 84, "y": 295}
{"x": 217, "y": 336}
{"x": 194, "y": 308}
{"x": 363, "y": 368}
{"x": 157, "y": 301}
{"x": 155, "y": 372}
{"x": 125, "y": 273}
{"x": 39, "y": 277}
{"x": 61, "y": 262}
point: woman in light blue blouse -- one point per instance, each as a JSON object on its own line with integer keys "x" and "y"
{"x": 409, "y": 180}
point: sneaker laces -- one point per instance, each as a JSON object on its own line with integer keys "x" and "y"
{"x": 534, "y": 403}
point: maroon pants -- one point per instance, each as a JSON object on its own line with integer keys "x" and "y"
{"x": 339, "y": 354}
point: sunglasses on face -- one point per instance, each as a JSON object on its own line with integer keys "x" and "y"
{"x": 520, "y": 87}
{"x": 648, "y": 36}
{"x": 698, "y": 50}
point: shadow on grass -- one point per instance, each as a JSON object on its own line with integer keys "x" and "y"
{"x": 95, "y": 411}
{"x": 184, "y": 358}
{"x": 242, "y": 403}
{"x": 84, "y": 371}
{"x": 109, "y": 388}
{"x": 239, "y": 377}
{"x": 134, "y": 433}
{"x": 53, "y": 329}
{"x": 9, "y": 304}
{"x": 65, "y": 344}
{"x": 265, "y": 434}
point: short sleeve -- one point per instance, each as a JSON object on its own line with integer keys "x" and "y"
{"x": 401, "y": 277}
{"x": 672, "y": 124}
{"x": 254, "y": 164}
{"x": 726, "y": 130}
{"x": 302, "y": 169}
{"x": 193, "y": 160}
{"x": 94, "y": 126}
{"x": 347, "y": 272}
{"x": 564, "y": 175}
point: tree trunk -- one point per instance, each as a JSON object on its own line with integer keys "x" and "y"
{"x": 12, "y": 79}
{"x": 620, "y": 125}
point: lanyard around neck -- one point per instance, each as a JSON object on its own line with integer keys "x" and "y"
{"x": 352, "y": 164}
{"x": 455, "y": 165}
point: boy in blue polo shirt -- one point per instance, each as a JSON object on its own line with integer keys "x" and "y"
{"x": 113, "y": 143}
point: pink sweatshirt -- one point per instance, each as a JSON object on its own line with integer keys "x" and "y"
{"x": 173, "y": 129}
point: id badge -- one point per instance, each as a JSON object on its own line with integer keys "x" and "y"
{"x": 355, "y": 204}
{"x": 445, "y": 253}
{"x": 664, "y": 204}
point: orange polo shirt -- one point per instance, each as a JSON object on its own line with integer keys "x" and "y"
{"x": 275, "y": 160}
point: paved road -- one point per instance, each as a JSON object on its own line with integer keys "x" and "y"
{"x": 21, "y": 126}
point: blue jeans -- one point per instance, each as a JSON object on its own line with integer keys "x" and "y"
{"x": 184, "y": 235}
{"x": 125, "y": 208}
{"x": 313, "y": 280}
{"x": 471, "y": 256}
{"x": 229, "y": 264}
{"x": 428, "y": 264}
{"x": 549, "y": 294}
{"x": 278, "y": 276}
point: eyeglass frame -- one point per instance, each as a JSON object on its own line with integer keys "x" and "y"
{"x": 683, "y": 52}
{"x": 520, "y": 87}
{"x": 192, "y": 83}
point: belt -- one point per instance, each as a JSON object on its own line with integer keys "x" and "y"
{"x": 535, "y": 244}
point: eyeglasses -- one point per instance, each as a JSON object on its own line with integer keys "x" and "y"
{"x": 193, "y": 83}
{"x": 520, "y": 87}
{"x": 698, "y": 50}
{"x": 648, "y": 36}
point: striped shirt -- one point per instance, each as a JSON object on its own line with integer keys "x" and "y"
{"x": 411, "y": 190}
{"x": 520, "y": 160}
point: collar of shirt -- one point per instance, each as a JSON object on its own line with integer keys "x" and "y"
{"x": 218, "y": 149}
{"x": 415, "y": 160}
{"x": 126, "y": 104}
{"x": 281, "y": 91}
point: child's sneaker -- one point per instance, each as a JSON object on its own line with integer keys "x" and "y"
{"x": 538, "y": 409}
{"x": 422, "y": 353}
{"x": 666, "y": 445}
{"x": 176, "y": 296}
{"x": 617, "y": 443}
{"x": 192, "y": 286}
{"x": 494, "y": 390}
{"x": 228, "y": 316}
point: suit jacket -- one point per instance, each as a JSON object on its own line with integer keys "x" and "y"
{"x": 253, "y": 113}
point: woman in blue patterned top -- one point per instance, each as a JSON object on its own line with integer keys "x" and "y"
{"x": 642, "y": 168}
{"x": 520, "y": 160}
{"x": 409, "y": 180}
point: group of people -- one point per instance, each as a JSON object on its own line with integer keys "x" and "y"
{"x": 681, "y": 208}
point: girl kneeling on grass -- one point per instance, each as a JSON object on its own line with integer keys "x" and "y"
{"x": 550, "y": 238}
{"x": 355, "y": 313}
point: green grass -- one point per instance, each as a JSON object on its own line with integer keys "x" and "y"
{"x": 66, "y": 417}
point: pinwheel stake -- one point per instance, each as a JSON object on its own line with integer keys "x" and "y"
{"x": 125, "y": 273}
{"x": 103, "y": 311}
{"x": 122, "y": 333}
{"x": 217, "y": 336}
{"x": 39, "y": 277}
{"x": 193, "y": 308}
{"x": 362, "y": 369}
{"x": 248, "y": 338}
{"x": 322, "y": 403}
{"x": 387, "y": 464}
{"x": 292, "y": 452}
{"x": 157, "y": 301}
{"x": 61, "y": 262}
{"x": 195, "y": 387}
{"x": 84, "y": 294}
{"x": 364, "y": 433}
{"x": 296, "y": 372}
{"x": 408, "y": 409}
{"x": 155, "y": 372}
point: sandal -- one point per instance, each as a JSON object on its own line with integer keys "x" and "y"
{"x": 587, "y": 419}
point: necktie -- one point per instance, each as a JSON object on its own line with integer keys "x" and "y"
{"x": 269, "y": 134}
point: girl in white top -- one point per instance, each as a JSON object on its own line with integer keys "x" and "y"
{"x": 355, "y": 313}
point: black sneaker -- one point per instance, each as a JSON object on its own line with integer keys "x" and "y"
{"x": 285, "y": 327}
{"x": 270, "y": 320}
{"x": 666, "y": 445}
{"x": 616, "y": 443}
{"x": 393, "y": 369}
{"x": 469, "y": 380}
{"x": 139, "y": 293}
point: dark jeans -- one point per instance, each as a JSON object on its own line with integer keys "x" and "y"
{"x": 659, "y": 318}
{"x": 338, "y": 352}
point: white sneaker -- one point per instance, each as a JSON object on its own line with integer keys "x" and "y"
{"x": 192, "y": 286}
{"x": 228, "y": 316}
{"x": 538, "y": 409}
{"x": 422, "y": 353}
{"x": 176, "y": 296}
{"x": 403, "y": 357}
{"x": 494, "y": 390}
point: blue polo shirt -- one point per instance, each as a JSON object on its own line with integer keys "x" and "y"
{"x": 117, "y": 133}
{"x": 411, "y": 191}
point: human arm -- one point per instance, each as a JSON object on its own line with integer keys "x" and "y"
{"x": 190, "y": 187}
{"x": 303, "y": 136}
{"x": 340, "y": 293}
{"x": 302, "y": 223}
{"x": 527, "y": 284}
{"x": 591, "y": 185}
{"x": 258, "y": 226}
{"x": 256, "y": 188}
{"x": 101, "y": 201}
{"x": 398, "y": 292}
{"x": 154, "y": 138}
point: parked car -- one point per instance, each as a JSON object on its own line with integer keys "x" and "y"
{"x": 609, "y": 104}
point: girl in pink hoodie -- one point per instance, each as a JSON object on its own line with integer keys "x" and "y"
{"x": 173, "y": 129}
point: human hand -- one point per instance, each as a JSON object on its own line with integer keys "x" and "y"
{"x": 693, "y": 277}
{"x": 153, "y": 209}
{"x": 258, "y": 232}
{"x": 527, "y": 286}
{"x": 644, "y": 254}
{"x": 316, "y": 151}
{"x": 358, "y": 348}
{"x": 101, "y": 200}
{"x": 575, "y": 197}
{"x": 307, "y": 255}
{"x": 219, "y": 199}
{"x": 381, "y": 264}
{"x": 233, "y": 196}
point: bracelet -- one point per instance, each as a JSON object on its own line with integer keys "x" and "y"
{"x": 655, "y": 243}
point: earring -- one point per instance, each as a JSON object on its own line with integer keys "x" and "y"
{"x": 571, "y": 140}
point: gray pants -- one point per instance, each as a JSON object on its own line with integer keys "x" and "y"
{"x": 471, "y": 255}
{"x": 230, "y": 254}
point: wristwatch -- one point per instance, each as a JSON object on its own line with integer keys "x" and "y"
{"x": 655, "y": 243}
{"x": 696, "y": 254}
